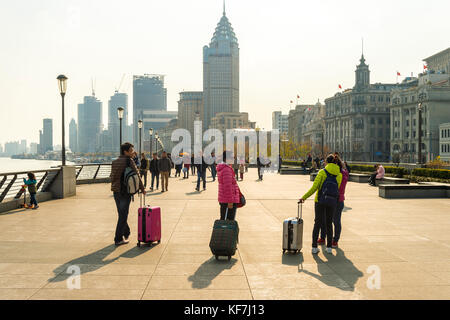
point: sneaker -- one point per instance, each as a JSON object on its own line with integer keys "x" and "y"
{"x": 329, "y": 250}
{"x": 197, "y": 189}
{"x": 321, "y": 241}
{"x": 126, "y": 239}
{"x": 34, "y": 208}
{"x": 315, "y": 250}
{"x": 120, "y": 243}
{"x": 334, "y": 244}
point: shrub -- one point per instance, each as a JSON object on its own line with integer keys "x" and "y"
{"x": 432, "y": 173}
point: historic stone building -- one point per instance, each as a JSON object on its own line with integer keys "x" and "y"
{"x": 357, "y": 121}
{"x": 432, "y": 90}
{"x": 444, "y": 141}
{"x": 230, "y": 120}
{"x": 439, "y": 62}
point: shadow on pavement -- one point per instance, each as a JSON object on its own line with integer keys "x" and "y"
{"x": 347, "y": 209}
{"x": 293, "y": 260}
{"x": 95, "y": 260}
{"x": 352, "y": 274}
{"x": 19, "y": 210}
{"x": 208, "y": 271}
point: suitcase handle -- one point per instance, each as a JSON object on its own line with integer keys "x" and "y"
{"x": 300, "y": 210}
{"x": 140, "y": 198}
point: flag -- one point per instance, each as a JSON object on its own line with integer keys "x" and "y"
{"x": 298, "y": 97}
{"x": 292, "y": 101}
{"x": 340, "y": 87}
{"x": 425, "y": 67}
{"x": 398, "y": 73}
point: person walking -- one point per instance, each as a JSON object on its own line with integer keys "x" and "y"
{"x": 242, "y": 169}
{"x": 143, "y": 169}
{"x": 179, "y": 167}
{"x": 340, "y": 206}
{"x": 192, "y": 165}
{"x": 260, "y": 168}
{"x": 136, "y": 159}
{"x": 169, "y": 156}
{"x": 327, "y": 185}
{"x": 201, "y": 171}
{"x": 154, "y": 171}
{"x": 31, "y": 184}
{"x": 213, "y": 166}
{"x": 164, "y": 166}
{"x": 228, "y": 196}
{"x": 121, "y": 197}
{"x": 186, "y": 166}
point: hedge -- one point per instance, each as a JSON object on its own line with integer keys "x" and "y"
{"x": 432, "y": 173}
{"x": 399, "y": 172}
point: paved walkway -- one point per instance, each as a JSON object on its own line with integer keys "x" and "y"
{"x": 408, "y": 241}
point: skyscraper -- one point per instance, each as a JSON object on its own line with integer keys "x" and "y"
{"x": 221, "y": 72}
{"x": 190, "y": 108}
{"x": 46, "y": 137}
{"x": 116, "y": 101}
{"x": 73, "y": 136}
{"x": 149, "y": 94}
{"x": 89, "y": 124}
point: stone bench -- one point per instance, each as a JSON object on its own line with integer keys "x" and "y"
{"x": 389, "y": 180}
{"x": 359, "y": 177}
{"x": 313, "y": 176}
{"x": 408, "y": 191}
{"x": 296, "y": 171}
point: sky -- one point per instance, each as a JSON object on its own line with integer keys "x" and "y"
{"x": 287, "y": 47}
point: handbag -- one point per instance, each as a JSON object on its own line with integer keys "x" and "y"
{"x": 242, "y": 200}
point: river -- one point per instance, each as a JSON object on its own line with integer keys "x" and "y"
{"x": 15, "y": 165}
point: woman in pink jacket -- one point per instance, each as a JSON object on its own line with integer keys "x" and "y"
{"x": 340, "y": 206}
{"x": 228, "y": 188}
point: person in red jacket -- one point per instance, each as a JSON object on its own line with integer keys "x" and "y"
{"x": 228, "y": 188}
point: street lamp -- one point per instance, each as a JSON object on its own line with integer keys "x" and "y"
{"x": 140, "y": 135}
{"x": 420, "y": 107}
{"x": 156, "y": 141}
{"x": 120, "y": 111}
{"x": 150, "y": 131}
{"x": 62, "y": 85}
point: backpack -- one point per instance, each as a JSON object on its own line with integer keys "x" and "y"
{"x": 131, "y": 181}
{"x": 329, "y": 193}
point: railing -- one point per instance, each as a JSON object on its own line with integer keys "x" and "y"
{"x": 11, "y": 183}
{"x": 93, "y": 173}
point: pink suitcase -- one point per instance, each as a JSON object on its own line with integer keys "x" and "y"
{"x": 149, "y": 224}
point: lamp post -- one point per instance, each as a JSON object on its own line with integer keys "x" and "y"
{"x": 62, "y": 85}
{"x": 120, "y": 114}
{"x": 420, "y": 106}
{"x": 156, "y": 141}
{"x": 150, "y": 131}
{"x": 140, "y": 135}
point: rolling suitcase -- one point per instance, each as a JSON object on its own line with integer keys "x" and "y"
{"x": 224, "y": 238}
{"x": 149, "y": 224}
{"x": 293, "y": 232}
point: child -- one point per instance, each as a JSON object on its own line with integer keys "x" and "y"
{"x": 242, "y": 170}
{"x": 31, "y": 183}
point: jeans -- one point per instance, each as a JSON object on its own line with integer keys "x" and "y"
{"x": 337, "y": 221}
{"x": 155, "y": 176}
{"x": 260, "y": 173}
{"x": 33, "y": 199}
{"x": 201, "y": 175}
{"x": 123, "y": 207}
{"x": 323, "y": 216}
{"x": 165, "y": 180}
{"x": 186, "y": 172}
{"x": 213, "y": 172}
{"x": 372, "y": 178}
{"x": 231, "y": 212}
{"x": 144, "y": 174}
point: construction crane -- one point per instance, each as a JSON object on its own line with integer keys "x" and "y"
{"x": 120, "y": 85}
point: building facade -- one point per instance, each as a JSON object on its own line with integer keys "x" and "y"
{"x": 230, "y": 120}
{"x": 433, "y": 92}
{"x": 281, "y": 122}
{"x": 190, "y": 109}
{"x": 439, "y": 62}
{"x": 46, "y": 137}
{"x": 116, "y": 101}
{"x": 89, "y": 125}
{"x": 221, "y": 72}
{"x": 444, "y": 141}
{"x": 149, "y": 94}
{"x": 357, "y": 121}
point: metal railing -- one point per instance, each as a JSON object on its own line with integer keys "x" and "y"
{"x": 11, "y": 182}
{"x": 93, "y": 173}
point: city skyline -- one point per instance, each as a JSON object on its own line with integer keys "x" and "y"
{"x": 61, "y": 39}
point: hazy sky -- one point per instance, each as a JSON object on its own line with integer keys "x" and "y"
{"x": 287, "y": 47}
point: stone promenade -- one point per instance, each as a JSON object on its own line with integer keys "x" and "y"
{"x": 402, "y": 245}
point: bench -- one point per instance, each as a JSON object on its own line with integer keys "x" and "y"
{"x": 313, "y": 176}
{"x": 296, "y": 171}
{"x": 359, "y": 177}
{"x": 409, "y": 191}
{"x": 389, "y": 180}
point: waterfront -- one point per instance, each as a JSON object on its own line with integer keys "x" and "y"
{"x": 14, "y": 165}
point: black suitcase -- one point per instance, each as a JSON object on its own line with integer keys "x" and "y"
{"x": 224, "y": 238}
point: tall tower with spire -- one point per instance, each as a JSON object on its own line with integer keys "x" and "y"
{"x": 221, "y": 72}
{"x": 362, "y": 75}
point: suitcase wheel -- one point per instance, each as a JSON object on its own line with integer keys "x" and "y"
{"x": 284, "y": 251}
{"x": 139, "y": 244}
{"x": 159, "y": 241}
{"x": 217, "y": 257}
{"x": 229, "y": 258}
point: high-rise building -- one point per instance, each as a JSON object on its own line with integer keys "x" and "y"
{"x": 190, "y": 109}
{"x": 116, "y": 101}
{"x": 149, "y": 94}
{"x": 12, "y": 148}
{"x": 1, "y": 148}
{"x": 281, "y": 122}
{"x": 73, "y": 136}
{"x": 231, "y": 120}
{"x": 46, "y": 137}
{"x": 221, "y": 72}
{"x": 89, "y": 125}
{"x": 33, "y": 148}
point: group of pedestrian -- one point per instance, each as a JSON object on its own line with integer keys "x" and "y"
{"x": 329, "y": 186}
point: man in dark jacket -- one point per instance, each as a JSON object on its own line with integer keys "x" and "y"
{"x": 154, "y": 171}
{"x": 164, "y": 166}
{"x": 201, "y": 171}
{"x": 260, "y": 166}
{"x": 122, "y": 198}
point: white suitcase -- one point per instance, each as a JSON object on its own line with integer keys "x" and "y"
{"x": 293, "y": 232}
